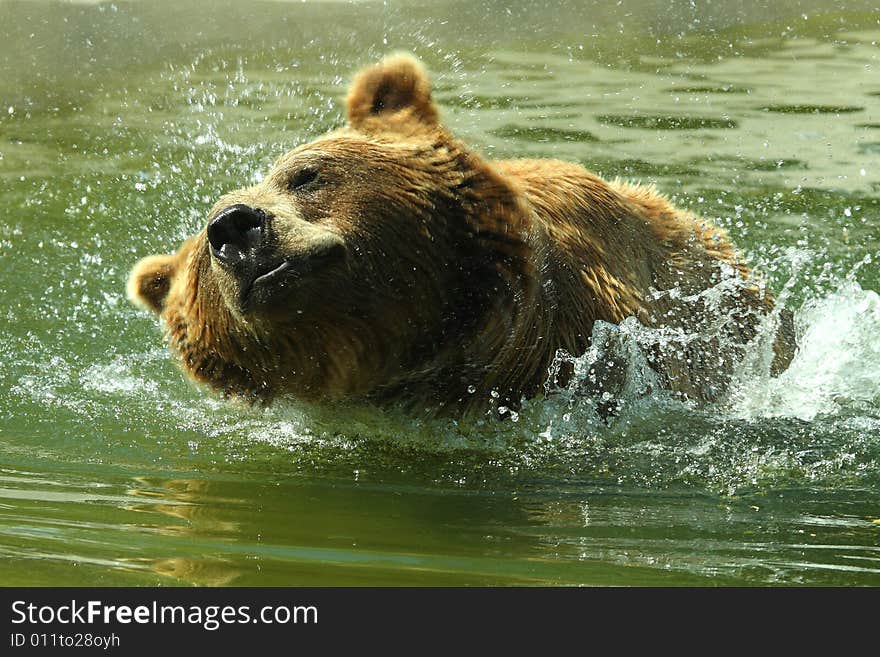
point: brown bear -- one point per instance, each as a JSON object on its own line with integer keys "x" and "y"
{"x": 388, "y": 262}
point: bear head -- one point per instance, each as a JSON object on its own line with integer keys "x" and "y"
{"x": 381, "y": 258}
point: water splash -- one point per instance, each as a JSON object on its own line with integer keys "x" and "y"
{"x": 837, "y": 366}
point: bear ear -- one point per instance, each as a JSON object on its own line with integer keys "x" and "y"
{"x": 394, "y": 94}
{"x": 150, "y": 280}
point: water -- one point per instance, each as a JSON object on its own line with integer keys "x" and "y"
{"x": 120, "y": 125}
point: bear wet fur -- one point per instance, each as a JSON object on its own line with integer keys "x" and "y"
{"x": 453, "y": 279}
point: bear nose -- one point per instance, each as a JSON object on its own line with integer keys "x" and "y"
{"x": 235, "y": 231}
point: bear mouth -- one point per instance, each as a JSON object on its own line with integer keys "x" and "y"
{"x": 273, "y": 274}
{"x": 268, "y": 277}
{"x": 269, "y": 281}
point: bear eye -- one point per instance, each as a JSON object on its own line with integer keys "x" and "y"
{"x": 302, "y": 178}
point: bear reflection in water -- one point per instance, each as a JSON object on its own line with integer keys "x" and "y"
{"x": 390, "y": 263}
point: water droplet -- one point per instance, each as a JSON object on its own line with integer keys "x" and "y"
{"x": 472, "y": 389}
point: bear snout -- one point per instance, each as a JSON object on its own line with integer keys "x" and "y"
{"x": 236, "y": 232}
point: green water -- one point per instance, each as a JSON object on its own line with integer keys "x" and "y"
{"x": 120, "y": 123}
